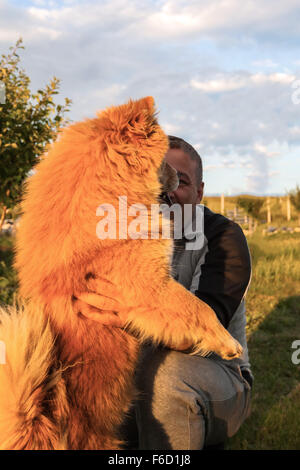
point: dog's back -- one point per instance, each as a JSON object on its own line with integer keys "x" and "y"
{"x": 59, "y": 258}
{"x": 58, "y": 255}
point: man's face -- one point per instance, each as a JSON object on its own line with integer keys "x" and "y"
{"x": 188, "y": 191}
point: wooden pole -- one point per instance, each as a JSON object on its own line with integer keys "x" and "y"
{"x": 222, "y": 204}
{"x": 288, "y": 208}
{"x": 250, "y": 225}
{"x": 269, "y": 218}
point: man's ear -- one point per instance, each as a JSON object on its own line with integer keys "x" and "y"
{"x": 200, "y": 191}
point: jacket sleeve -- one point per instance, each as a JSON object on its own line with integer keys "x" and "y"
{"x": 226, "y": 272}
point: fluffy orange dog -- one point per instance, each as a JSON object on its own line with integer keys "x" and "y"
{"x": 68, "y": 378}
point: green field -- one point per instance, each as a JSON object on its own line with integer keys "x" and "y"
{"x": 277, "y": 206}
{"x": 273, "y": 306}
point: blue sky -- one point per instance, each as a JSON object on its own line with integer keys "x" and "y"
{"x": 221, "y": 73}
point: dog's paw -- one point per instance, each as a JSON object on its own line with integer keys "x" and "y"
{"x": 225, "y": 346}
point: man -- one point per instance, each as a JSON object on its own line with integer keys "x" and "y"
{"x": 191, "y": 402}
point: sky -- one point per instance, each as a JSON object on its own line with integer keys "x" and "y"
{"x": 225, "y": 74}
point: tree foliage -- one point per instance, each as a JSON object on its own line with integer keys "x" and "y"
{"x": 251, "y": 206}
{"x": 28, "y": 122}
{"x": 295, "y": 198}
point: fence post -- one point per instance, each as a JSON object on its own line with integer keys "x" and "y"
{"x": 269, "y": 218}
{"x": 222, "y": 204}
{"x": 288, "y": 208}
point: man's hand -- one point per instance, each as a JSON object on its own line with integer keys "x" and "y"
{"x": 91, "y": 305}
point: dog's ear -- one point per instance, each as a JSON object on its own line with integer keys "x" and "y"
{"x": 148, "y": 103}
{"x": 141, "y": 120}
{"x": 129, "y": 129}
{"x": 141, "y": 127}
{"x": 135, "y": 118}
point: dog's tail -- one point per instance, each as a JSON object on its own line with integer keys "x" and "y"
{"x": 33, "y": 399}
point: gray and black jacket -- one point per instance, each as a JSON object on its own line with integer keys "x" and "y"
{"x": 218, "y": 271}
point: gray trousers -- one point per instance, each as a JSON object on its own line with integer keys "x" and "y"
{"x": 185, "y": 402}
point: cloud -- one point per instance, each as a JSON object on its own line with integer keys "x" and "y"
{"x": 172, "y": 19}
{"x": 229, "y": 82}
{"x": 170, "y": 128}
{"x": 295, "y": 130}
{"x": 263, "y": 150}
{"x": 212, "y": 84}
{"x": 223, "y": 19}
{"x": 219, "y": 84}
{"x": 265, "y": 63}
{"x": 212, "y": 167}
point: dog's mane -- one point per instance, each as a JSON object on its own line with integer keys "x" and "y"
{"x": 90, "y": 164}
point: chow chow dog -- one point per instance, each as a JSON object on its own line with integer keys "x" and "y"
{"x": 68, "y": 378}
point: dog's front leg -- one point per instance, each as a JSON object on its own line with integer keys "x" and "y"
{"x": 176, "y": 316}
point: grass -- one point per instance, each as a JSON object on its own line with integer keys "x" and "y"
{"x": 273, "y": 315}
{"x": 273, "y": 323}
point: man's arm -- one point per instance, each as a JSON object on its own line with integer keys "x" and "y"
{"x": 225, "y": 274}
{"x": 226, "y": 271}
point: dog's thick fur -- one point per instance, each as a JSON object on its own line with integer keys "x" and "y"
{"x": 68, "y": 378}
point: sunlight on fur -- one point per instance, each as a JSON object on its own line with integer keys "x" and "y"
{"x": 69, "y": 379}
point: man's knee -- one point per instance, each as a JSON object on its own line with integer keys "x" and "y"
{"x": 188, "y": 397}
{"x": 168, "y": 410}
{"x": 166, "y": 381}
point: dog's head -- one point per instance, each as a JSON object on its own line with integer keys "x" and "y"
{"x": 120, "y": 150}
{"x": 132, "y": 138}
{"x": 135, "y": 144}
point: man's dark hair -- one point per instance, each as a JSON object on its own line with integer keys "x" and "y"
{"x": 178, "y": 143}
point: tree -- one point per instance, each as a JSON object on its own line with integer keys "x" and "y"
{"x": 295, "y": 200}
{"x": 28, "y": 122}
{"x": 251, "y": 206}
